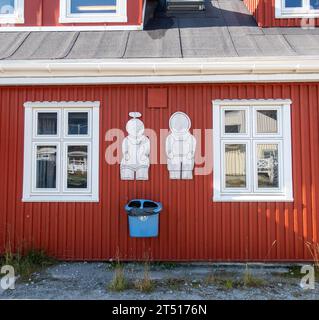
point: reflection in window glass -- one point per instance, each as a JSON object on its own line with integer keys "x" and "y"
{"x": 293, "y": 3}
{"x": 78, "y": 123}
{"x": 47, "y": 123}
{"x": 6, "y": 6}
{"x": 93, "y": 6}
{"x": 77, "y": 167}
{"x": 235, "y": 165}
{"x": 235, "y": 121}
{"x": 46, "y": 167}
{"x": 314, "y": 4}
{"x": 267, "y": 165}
{"x": 267, "y": 121}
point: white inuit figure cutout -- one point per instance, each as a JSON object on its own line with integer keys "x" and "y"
{"x": 180, "y": 147}
{"x": 136, "y": 150}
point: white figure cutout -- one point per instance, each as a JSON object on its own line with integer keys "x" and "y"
{"x": 136, "y": 150}
{"x": 180, "y": 147}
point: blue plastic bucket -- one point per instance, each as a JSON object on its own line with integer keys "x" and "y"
{"x": 144, "y": 224}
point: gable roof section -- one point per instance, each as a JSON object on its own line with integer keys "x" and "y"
{"x": 225, "y": 29}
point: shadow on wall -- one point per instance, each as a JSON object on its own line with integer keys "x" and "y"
{"x": 160, "y": 20}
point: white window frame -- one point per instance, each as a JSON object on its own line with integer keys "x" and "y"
{"x": 32, "y": 170}
{"x": 222, "y": 167}
{"x": 65, "y": 168}
{"x": 284, "y": 193}
{"x": 67, "y": 17}
{"x": 18, "y": 15}
{"x": 247, "y": 122}
{"x": 303, "y": 12}
{"x": 31, "y": 140}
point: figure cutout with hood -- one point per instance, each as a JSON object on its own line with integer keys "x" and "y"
{"x": 180, "y": 147}
{"x": 136, "y": 150}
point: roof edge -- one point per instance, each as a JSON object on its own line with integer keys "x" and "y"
{"x": 127, "y": 71}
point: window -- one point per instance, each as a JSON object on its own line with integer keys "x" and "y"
{"x": 61, "y": 151}
{"x": 11, "y": 11}
{"x": 297, "y": 8}
{"x": 91, "y": 11}
{"x": 252, "y": 150}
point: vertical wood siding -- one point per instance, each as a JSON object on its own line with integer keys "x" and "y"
{"x": 264, "y": 13}
{"x": 192, "y": 226}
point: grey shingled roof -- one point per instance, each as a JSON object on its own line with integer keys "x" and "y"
{"x": 225, "y": 29}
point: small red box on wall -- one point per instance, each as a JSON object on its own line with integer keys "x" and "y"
{"x": 157, "y": 98}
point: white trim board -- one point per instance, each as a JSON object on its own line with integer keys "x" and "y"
{"x": 62, "y": 104}
{"x": 124, "y": 27}
{"x": 279, "y": 69}
{"x": 248, "y": 78}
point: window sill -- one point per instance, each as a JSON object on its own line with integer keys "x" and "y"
{"x": 12, "y": 20}
{"x": 296, "y": 15}
{"x": 104, "y": 19}
{"x": 252, "y": 198}
{"x": 60, "y": 198}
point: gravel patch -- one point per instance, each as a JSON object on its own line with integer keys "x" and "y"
{"x": 87, "y": 281}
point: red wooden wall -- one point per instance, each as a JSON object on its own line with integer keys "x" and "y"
{"x": 47, "y": 12}
{"x": 264, "y": 13}
{"x": 192, "y": 226}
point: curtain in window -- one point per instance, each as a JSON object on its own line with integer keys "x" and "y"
{"x": 47, "y": 123}
{"x": 46, "y": 167}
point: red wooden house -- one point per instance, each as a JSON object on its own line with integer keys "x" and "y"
{"x": 228, "y": 96}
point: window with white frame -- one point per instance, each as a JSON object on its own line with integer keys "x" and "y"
{"x": 297, "y": 8}
{"x": 61, "y": 151}
{"x": 252, "y": 150}
{"x": 92, "y": 11}
{"x": 11, "y": 11}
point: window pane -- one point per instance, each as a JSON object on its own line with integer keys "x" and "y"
{"x": 235, "y": 165}
{"x": 293, "y": 3}
{"x": 93, "y": 6}
{"x": 77, "y": 167}
{"x": 6, "y": 6}
{"x": 267, "y": 121}
{"x": 267, "y": 165}
{"x": 47, "y": 123}
{"x": 235, "y": 121}
{"x": 46, "y": 167}
{"x": 78, "y": 123}
{"x": 314, "y": 4}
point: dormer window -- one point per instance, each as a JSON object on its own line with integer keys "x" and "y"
{"x": 92, "y": 11}
{"x": 297, "y": 8}
{"x": 11, "y": 11}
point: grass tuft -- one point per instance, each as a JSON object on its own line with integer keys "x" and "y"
{"x": 211, "y": 280}
{"x": 229, "y": 284}
{"x": 145, "y": 284}
{"x": 313, "y": 247}
{"x": 26, "y": 264}
{"x": 250, "y": 281}
{"x": 119, "y": 282}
